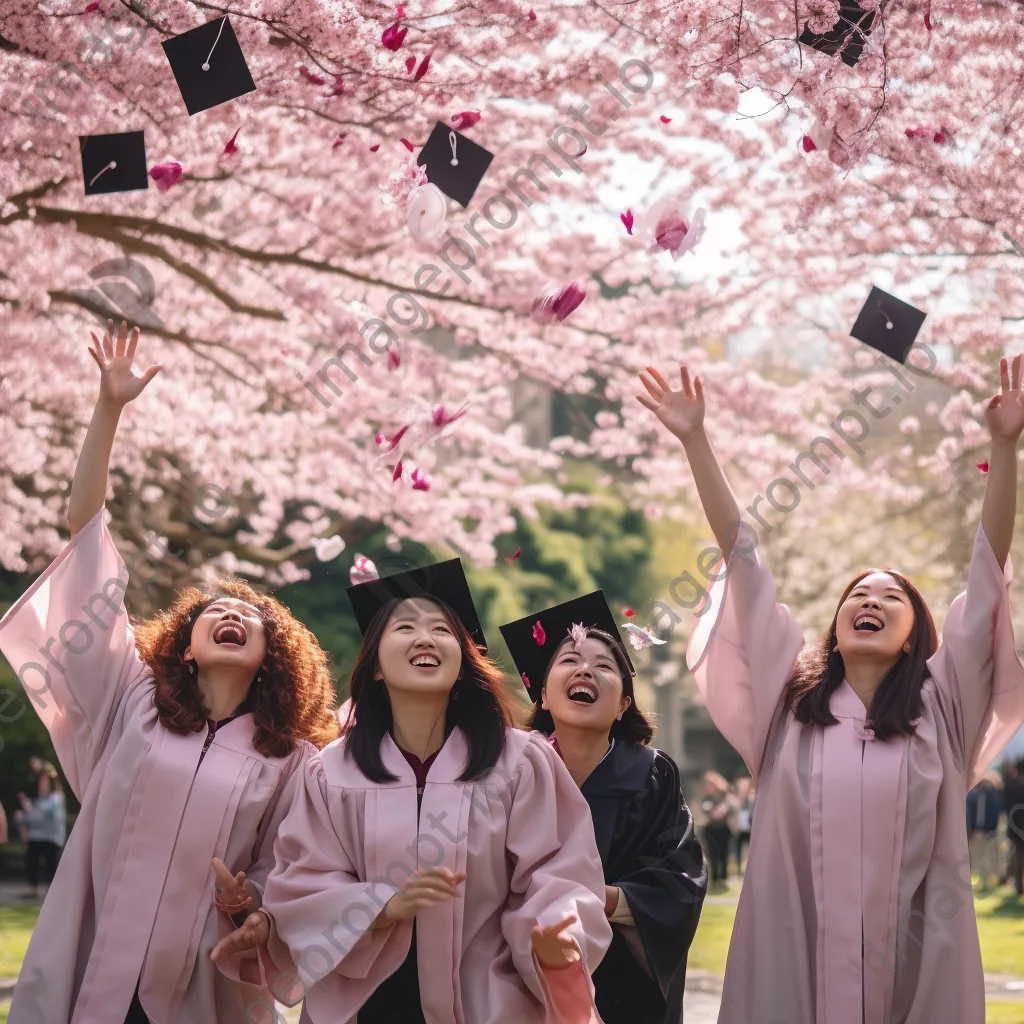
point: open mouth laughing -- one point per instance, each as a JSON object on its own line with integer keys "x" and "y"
{"x": 867, "y": 623}
{"x": 425, "y": 661}
{"x": 230, "y": 632}
{"x": 582, "y": 692}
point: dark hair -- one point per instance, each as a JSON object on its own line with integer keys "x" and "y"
{"x": 483, "y": 708}
{"x": 292, "y": 701}
{"x": 634, "y": 726}
{"x": 897, "y": 703}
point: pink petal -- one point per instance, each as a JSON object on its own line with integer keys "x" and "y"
{"x": 808, "y": 144}
{"x": 408, "y": 145}
{"x": 912, "y": 132}
{"x": 540, "y": 638}
{"x": 532, "y": 16}
{"x": 440, "y": 418}
{"x": 394, "y": 358}
{"x": 167, "y": 175}
{"x": 394, "y": 36}
{"x": 670, "y": 232}
{"x": 309, "y": 76}
{"x": 94, "y": 6}
{"x": 391, "y": 442}
{"x": 983, "y": 466}
{"x": 400, "y": 11}
{"x": 422, "y": 69}
{"x": 511, "y": 558}
{"x": 338, "y": 141}
{"x": 420, "y": 481}
{"x": 231, "y": 147}
{"x": 928, "y": 20}
{"x": 627, "y": 219}
{"x": 628, "y": 612}
{"x": 666, "y": 120}
{"x": 373, "y": 149}
{"x": 526, "y": 682}
{"x": 338, "y": 88}
{"x": 939, "y": 137}
{"x": 558, "y": 305}
{"x": 466, "y": 119}
{"x": 398, "y": 472}
{"x": 410, "y": 63}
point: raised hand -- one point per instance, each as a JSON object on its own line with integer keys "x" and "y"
{"x": 255, "y": 932}
{"x": 229, "y": 894}
{"x": 682, "y": 412}
{"x": 425, "y": 888}
{"x": 114, "y": 356}
{"x": 1005, "y": 413}
{"x": 554, "y": 946}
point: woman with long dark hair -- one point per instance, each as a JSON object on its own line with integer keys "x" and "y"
{"x": 857, "y": 905}
{"x": 438, "y": 865}
{"x": 180, "y": 738}
{"x": 575, "y": 667}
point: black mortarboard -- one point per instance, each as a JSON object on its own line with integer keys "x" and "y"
{"x": 444, "y": 580}
{"x": 888, "y": 324}
{"x": 849, "y": 33}
{"x": 113, "y": 163}
{"x": 209, "y": 65}
{"x": 532, "y": 659}
{"x": 455, "y": 164}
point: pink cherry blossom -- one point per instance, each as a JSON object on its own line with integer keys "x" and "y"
{"x": 465, "y": 119}
{"x": 394, "y": 35}
{"x": 672, "y": 224}
{"x": 167, "y": 174}
{"x": 420, "y": 480}
{"x": 362, "y": 571}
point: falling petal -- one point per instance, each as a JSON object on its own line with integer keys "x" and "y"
{"x": 338, "y": 89}
{"x": 532, "y": 16}
{"x": 558, "y": 304}
{"x": 670, "y": 232}
{"x": 578, "y": 634}
{"x": 511, "y": 558}
{"x": 465, "y": 119}
{"x": 311, "y": 77}
{"x": 408, "y": 145}
{"x": 391, "y": 442}
{"x": 666, "y": 120}
{"x": 983, "y": 466}
{"x": 627, "y": 220}
{"x": 398, "y": 472}
{"x": 232, "y": 146}
{"x": 440, "y": 419}
{"x": 641, "y": 636}
{"x": 373, "y": 149}
{"x": 410, "y": 63}
{"x": 362, "y": 571}
{"x": 338, "y": 141}
{"x": 420, "y": 480}
{"x": 808, "y": 144}
{"x": 928, "y": 20}
{"x": 400, "y": 11}
{"x": 939, "y": 137}
{"x": 422, "y": 69}
{"x": 628, "y": 612}
{"x": 540, "y": 638}
{"x": 526, "y": 682}
{"x": 94, "y": 6}
{"x": 394, "y": 36}
{"x": 394, "y": 358}
{"x": 167, "y": 175}
{"x": 328, "y": 548}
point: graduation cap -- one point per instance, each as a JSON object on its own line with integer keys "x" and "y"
{"x": 114, "y": 163}
{"x": 888, "y": 324}
{"x": 455, "y": 164}
{"x": 532, "y": 658}
{"x": 849, "y": 33}
{"x": 209, "y": 65}
{"x": 443, "y": 580}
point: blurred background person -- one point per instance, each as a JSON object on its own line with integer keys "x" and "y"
{"x": 44, "y": 824}
{"x": 716, "y": 808}
{"x": 984, "y": 808}
{"x": 744, "y": 801}
{"x": 1014, "y": 802}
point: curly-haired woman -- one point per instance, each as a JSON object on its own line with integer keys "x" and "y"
{"x": 181, "y": 739}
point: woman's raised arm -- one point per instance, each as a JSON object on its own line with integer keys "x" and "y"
{"x": 1005, "y": 418}
{"x": 118, "y": 386}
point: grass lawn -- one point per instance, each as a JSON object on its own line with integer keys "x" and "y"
{"x": 995, "y": 1013}
{"x": 16, "y": 924}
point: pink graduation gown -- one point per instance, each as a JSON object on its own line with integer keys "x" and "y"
{"x": 524, "y": 837}
{"x": 132, "y": 899}
{"x": 856, "y": 839}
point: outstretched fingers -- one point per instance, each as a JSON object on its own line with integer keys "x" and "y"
{"x": 1018, "y": 362}
{"x": 133, "y": 343}
{"x": 654, "y": 388}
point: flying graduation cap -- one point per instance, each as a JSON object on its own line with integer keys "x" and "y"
{"x": 532, "y": 657}
{"x": 443, "y": 580}
{"x": 888, "y": 324}
{"x": 455, "y": 164}
{"x": 113, "y": 163}
{"x": 209, "y": 65}
{"x": 848, "y": 34}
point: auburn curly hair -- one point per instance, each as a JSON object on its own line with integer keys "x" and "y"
{"x": 294, "y": 700}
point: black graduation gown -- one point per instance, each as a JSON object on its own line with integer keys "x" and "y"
{"x": 649, "y": 850}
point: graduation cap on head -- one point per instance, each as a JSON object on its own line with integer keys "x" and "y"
{"x": 455, "y": 164}
{"x": 114, "y": 163}
{"x": 209, "y": 65}
{"x": 532, "y": 657}
{"x": 849, "y": 33}
{"x": 443, "y": 580}
{"x": 888, "y": 324}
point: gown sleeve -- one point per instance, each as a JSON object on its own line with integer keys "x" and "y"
{"x": 556, "y": 871}
{"x": 977, "y": 672}
{"x": 665, "y": 890}
{"x": 70, "y": 643}
{"x": 741, "y": 653}
{"x": 316, "y": 901}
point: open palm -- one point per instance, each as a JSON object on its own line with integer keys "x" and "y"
{"x": 114, "y": 356}
{"x": 1005, "y": 413}
{"x": 681, "y": 411}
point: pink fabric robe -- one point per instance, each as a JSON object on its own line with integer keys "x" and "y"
{"x": 853, "y": 836}
{"x": 133, "y": 893}
{"x": 524, "y": 838}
